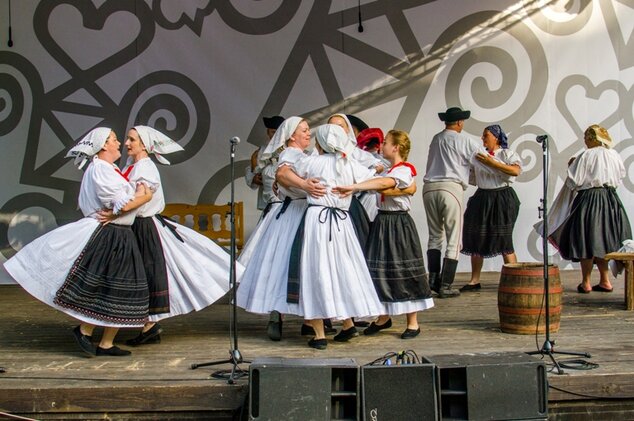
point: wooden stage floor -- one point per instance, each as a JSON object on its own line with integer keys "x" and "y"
{"x": 47, "y": 377}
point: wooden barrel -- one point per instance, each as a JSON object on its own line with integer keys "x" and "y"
{"x": 521, "y": 300}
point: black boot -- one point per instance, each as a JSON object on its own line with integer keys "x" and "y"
{"x": 433, "y": 263}
{"x": 449, "y": 267}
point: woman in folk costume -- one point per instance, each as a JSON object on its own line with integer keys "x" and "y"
{"x": 90, "y": 271}
{"x": 360, "y": 216}
{"x": 186, "y": 271}
{"x": 597, "y": 223}
{"x": 263, "y": 286}
{"x": 393, "y": 251}
{"x": 493, "y": 209}
{"x": 266, "y": 166}
{"x": 328, "y": 276}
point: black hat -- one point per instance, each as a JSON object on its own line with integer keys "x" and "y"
{"x": 273, "y": 122}
{"x": 357, "y": 122}
{"x": 454, "y": 114}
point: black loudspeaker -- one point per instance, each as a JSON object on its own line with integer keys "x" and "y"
{"x": 399, "y": 392}
{"x": 303, "y": 389}
{"x": 496, "y": 386}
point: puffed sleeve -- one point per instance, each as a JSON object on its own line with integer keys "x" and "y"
{"x": 403, "y": 176}
{"x": 145, "y": 172}
{"x": 113, "y": 190}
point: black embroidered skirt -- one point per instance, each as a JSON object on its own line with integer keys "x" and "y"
{"x": 107, "y": 281}
{"x": 597, "y": 225}
{"x": 154, "y": 263}
{"x": 489, "y": 221}
{"x": 395, "y": 258}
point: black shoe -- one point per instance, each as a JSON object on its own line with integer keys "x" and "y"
{"x": 113, "y": 351}
{"x": 471, "y": 287}
{"x": 318, "y": 343}
{"x": 346, "y": 334}
{"x": 274, "y": 328}
{"x": 374, "y": 328}
{"x": 84, "y": 342}
{"x": 410, "y": 333}
{"x": 151, "y": 336}
{"x": 307, "y": 330}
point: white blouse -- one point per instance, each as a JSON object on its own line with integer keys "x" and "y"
{"x": 102, "y": 187}
{"x": 488, "y": 178}
{"x": 145, "y": 171}
{"x": 404, "y": 178}
{"x": 324, "y": 168}
{"x": 596, "y": 167}
{"x": 449, "y": 156}
{"x": 291, "y": 156}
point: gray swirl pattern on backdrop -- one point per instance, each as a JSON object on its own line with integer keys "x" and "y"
{"x": 203, "y": 72}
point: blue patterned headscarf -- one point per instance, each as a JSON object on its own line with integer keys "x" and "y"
{"x": 499, "y": 134}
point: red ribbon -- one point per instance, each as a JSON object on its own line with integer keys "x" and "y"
{"x": 125, "y": 174}
{"x": 406, "y": 164}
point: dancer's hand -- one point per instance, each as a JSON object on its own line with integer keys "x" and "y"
{"x": 344, "y": 191}
{"x": 105, "y": 216}
{"x": 314, "y": 188}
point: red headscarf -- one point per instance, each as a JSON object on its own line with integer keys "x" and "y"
{"x": 364, "y": 137}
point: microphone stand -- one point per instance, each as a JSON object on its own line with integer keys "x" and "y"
{"x": 548, "y": 348}
{"x": 235, "y": 357}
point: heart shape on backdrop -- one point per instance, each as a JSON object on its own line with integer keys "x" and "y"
{"x": 602, "y": 101}
{"x": 91, "y": 24}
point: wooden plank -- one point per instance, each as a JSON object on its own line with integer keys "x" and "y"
{"x": 619, "y": 256}
{"x": 80, "y": 398}
{"x": 47, "y": 373}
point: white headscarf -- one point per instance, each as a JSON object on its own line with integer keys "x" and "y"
{"x": 350, "y": 133}
{"x": 89, "y": 146}
{"x": 333, "y": 139}
{"x": 278, "y": 141}
{"x": 157, "y": 143}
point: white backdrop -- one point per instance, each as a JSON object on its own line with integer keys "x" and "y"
{"x": 205, "y": 71}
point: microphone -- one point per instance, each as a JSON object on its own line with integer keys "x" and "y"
{"x": 542, "y": 138}
{"x": 234, "y": 140}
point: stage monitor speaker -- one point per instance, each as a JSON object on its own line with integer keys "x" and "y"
{"x": 496, "y": 386}
{"x": 399, "y": 392}
{"x": 303, "y": 389}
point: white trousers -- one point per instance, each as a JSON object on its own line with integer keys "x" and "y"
{"x": 443, "y": 208}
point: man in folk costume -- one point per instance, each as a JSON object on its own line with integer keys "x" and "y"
{"x": 90, "y": 271}
{"x": 446, "y": 179}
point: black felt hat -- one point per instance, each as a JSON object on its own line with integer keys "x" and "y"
{"x": 273, "y": 122}
{"x": 454, "y": 114}
{"x": 357, "y": 122}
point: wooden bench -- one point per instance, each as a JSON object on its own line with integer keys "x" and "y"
{"x": 626, "y": 259}
{"x": 212, "y": 221}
